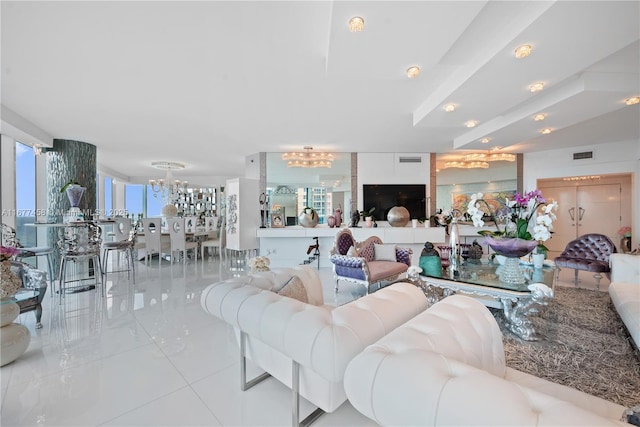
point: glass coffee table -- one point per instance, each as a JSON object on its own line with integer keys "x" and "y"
{"x": 480, "y": 279}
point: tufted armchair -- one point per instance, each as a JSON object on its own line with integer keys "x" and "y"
{"x": 32, "y": 280}
{"x": 305, "y": 345}
{"x": 589, "y": 252}
{"x": 365, "y": 266}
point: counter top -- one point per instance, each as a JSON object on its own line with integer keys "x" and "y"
{"x": 387, "y": 234}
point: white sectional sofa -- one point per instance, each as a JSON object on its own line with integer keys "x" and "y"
{"x": 446, "y": 367}
{"x": 625, "y": 291}
{"x": 306, "y": 346}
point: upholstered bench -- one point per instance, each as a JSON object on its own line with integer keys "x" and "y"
{"x": 446, "y": 367}
{"x": 306, "y": 344}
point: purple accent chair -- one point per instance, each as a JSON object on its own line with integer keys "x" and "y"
{"x": 589, "y": 252}
{"x": 364, "y": 269}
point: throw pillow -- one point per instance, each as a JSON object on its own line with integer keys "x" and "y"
{"x": 352, "y": 251}
{"x": 294, "y": 289}
{"x": 384, "y": 252}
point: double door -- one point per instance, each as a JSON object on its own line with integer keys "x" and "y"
{"x": 584, "y": 209}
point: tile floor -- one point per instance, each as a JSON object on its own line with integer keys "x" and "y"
{"x": 148, "y": 355}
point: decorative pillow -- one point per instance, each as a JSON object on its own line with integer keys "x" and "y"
{"x": 384, "y": 252}
{"x": 294, "y": 289}
{"x": 352, "y": 251}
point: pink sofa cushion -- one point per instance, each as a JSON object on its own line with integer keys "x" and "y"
{"x": 379, "y": 270}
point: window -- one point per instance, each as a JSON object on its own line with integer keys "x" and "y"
{"x": 154, "y": 203}
{"x": 134, "y": 199}
{"x": 25, "y": 194}
{"x": 108, "y": 196}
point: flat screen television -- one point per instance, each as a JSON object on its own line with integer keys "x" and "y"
{"x": 385, "y": 196}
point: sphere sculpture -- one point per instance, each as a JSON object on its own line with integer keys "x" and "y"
{"x": 308, "y": 218}
{"x": 398, "y": 216}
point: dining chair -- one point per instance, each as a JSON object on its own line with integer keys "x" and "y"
{"x": 179, "y": 242}
{"x": 212, "y": 241}
{"x": 190, "y": 224}
{"x": 9, "y": 238}
{"x": 154, "y": 244}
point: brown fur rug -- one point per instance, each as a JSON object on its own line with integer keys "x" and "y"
{"x": 584, "y": 345}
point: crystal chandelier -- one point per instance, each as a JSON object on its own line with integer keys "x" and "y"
{"x": 168, "y": 188}
{"x": 308, "y": 159}
{"x": 490, "y": 157}
{"x": 466, "y": 165}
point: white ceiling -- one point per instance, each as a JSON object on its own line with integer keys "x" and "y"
{"x": 210, "y": 82}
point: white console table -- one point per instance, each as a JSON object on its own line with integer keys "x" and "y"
{"x": 288, "y": 246}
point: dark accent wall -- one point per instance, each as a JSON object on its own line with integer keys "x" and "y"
{"x": 69, "y": 160}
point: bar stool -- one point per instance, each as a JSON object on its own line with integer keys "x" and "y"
{"x": 126, "y": 246}
{"x": 80, "y": 242}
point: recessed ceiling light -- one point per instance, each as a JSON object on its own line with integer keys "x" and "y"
{"x": 485, "y": 140}
{"x": 523, "y": 51}
{"x": 471, "y": 123}
{"x": 545, "y": 131}
{"x": 356, "y": 24}
{"x": 536, "y": 87}
{"x": 632, "y": 101}
{"x": 539, "y": 117}
{"x": 413, "y": 72}
{"x": 449, "y": 108}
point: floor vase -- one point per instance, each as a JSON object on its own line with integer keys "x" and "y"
{"x": 15, "y": 338}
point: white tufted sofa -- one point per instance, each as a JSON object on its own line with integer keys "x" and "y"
{"x": 283, "y": 334}
{"x": 447, "y": 367}
{"x": 625, "y": 291}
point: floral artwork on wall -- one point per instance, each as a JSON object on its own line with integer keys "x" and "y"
{"x": 232, "y": 217}
{"x": 495, "y": 200}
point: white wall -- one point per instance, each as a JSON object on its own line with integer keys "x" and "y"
{"x": 608, "y": 158}
{"x": 385, "y": 168}
{"x": 8, "y": 180}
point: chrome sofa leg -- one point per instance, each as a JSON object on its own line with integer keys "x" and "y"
{"x": 295, "y": 414}
{"x": 244, "y": 384}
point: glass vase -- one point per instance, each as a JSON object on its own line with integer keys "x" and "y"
{"x": 512, "y": 249}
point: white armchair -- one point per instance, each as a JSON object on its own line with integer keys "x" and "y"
{"x": 306, "y": 346}
{"x": 625, "y": 291}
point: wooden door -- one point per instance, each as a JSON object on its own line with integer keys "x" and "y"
{"x": 599, "y": 210}
{"x": 564, "y": 228}
{"x": 583, "y": 209}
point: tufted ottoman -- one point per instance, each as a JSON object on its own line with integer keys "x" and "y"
{"x": 589, "y": 252}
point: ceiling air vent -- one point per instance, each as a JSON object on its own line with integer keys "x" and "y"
{"x": 583, "y": 155}
{"x": 410, "y": 159}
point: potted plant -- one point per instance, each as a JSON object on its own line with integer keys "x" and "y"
{"x": 367, "y": 216}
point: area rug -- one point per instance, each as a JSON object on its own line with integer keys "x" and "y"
{"x": 584, "y": 345}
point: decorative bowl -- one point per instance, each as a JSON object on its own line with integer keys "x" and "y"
{"x": 511, "y": 247}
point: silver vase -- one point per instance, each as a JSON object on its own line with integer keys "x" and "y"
{"x": 75, "y": 193}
